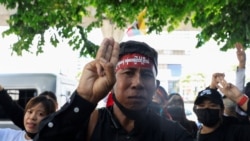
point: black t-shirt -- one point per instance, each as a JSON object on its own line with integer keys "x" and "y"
{"x": 190, "y": 126}
{"x": 151, "y": 128}
{"x": 228, "y": 132}
{"x": 71, "y": 123}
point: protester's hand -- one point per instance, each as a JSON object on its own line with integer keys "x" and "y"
{"x": 215, "y": 80}
{"x": 241, "y": 55}
{"x": 98, "y": 76}
{"x": 229, "y": 90}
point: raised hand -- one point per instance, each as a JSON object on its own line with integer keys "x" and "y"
{"x": 241, "y": 55}
{"x": 230, "y": 90}
{"x": 98, "y": 76}
{"x": 215, "y": 80}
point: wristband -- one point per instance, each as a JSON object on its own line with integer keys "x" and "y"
{"x": 243, "y": 100}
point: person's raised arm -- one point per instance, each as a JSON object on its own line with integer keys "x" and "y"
{"x": 214, "y": 81}
{"x": 14, "y": 111}
{"x": 240, "y": 71}
{"x": 233, "y": 93}
{"x": 97, "y": 79}
{"x": 241, "y": 55}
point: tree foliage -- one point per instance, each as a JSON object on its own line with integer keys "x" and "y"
{"x": 225, "y": 21}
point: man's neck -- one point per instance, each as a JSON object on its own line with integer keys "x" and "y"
{"x": 125, "y": 122}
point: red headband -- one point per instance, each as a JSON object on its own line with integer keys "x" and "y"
{"x": 134, "y": 60}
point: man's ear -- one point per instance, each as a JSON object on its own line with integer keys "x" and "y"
{"x": 157, "y": 83}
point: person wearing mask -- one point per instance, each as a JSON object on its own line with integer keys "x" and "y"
{"x": 229, "y": 107}
{"x": 176, "y": 109}
{"x": 35, "y": 110}
{"x": 14, "y": 111}
{"x": 128, "y": 70}
{"x": 209, "y": 108}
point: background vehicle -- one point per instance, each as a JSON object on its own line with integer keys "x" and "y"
{"x": 23, "y": 86}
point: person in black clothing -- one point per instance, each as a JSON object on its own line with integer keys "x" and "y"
{"x": 209, "y": 109}
{"x": 14, "y": 111}
{"x": 176, "y": 109}
{"x": 129, "y": 71}
{"x": 159, "y": 102}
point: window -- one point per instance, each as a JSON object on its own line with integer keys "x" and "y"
{"x": 175, "y": 69}
{"x": 20, "y": 96}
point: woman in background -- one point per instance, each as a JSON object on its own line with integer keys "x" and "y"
{"x": 177, "y": 111}
{"x": 35, "y": 110}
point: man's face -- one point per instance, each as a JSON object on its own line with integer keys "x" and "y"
{"x": 135, "y": 86}
{"x": 209, "y": 113}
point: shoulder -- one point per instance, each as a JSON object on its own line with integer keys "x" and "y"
{"x": 193, "y": 123}
{"x": 9, "y": 134}
{"x": 9, "y": 130}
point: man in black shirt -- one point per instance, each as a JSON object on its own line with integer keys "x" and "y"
{"x": 129, "y": 71}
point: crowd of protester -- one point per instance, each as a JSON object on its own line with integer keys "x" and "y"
{"x": 138, "y": 108}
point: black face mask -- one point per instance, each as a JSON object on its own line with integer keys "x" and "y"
{"x": 177, "y": 112}
{"x": 131, "y": 114}
{"x": 208, "y": 117}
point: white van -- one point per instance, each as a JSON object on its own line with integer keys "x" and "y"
{"x": 23, "y": 86}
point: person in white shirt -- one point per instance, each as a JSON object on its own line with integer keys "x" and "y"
{"x": 240, "y": 79}
{"x": 35, "y": 110}
{"x": 241, "y": 67}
